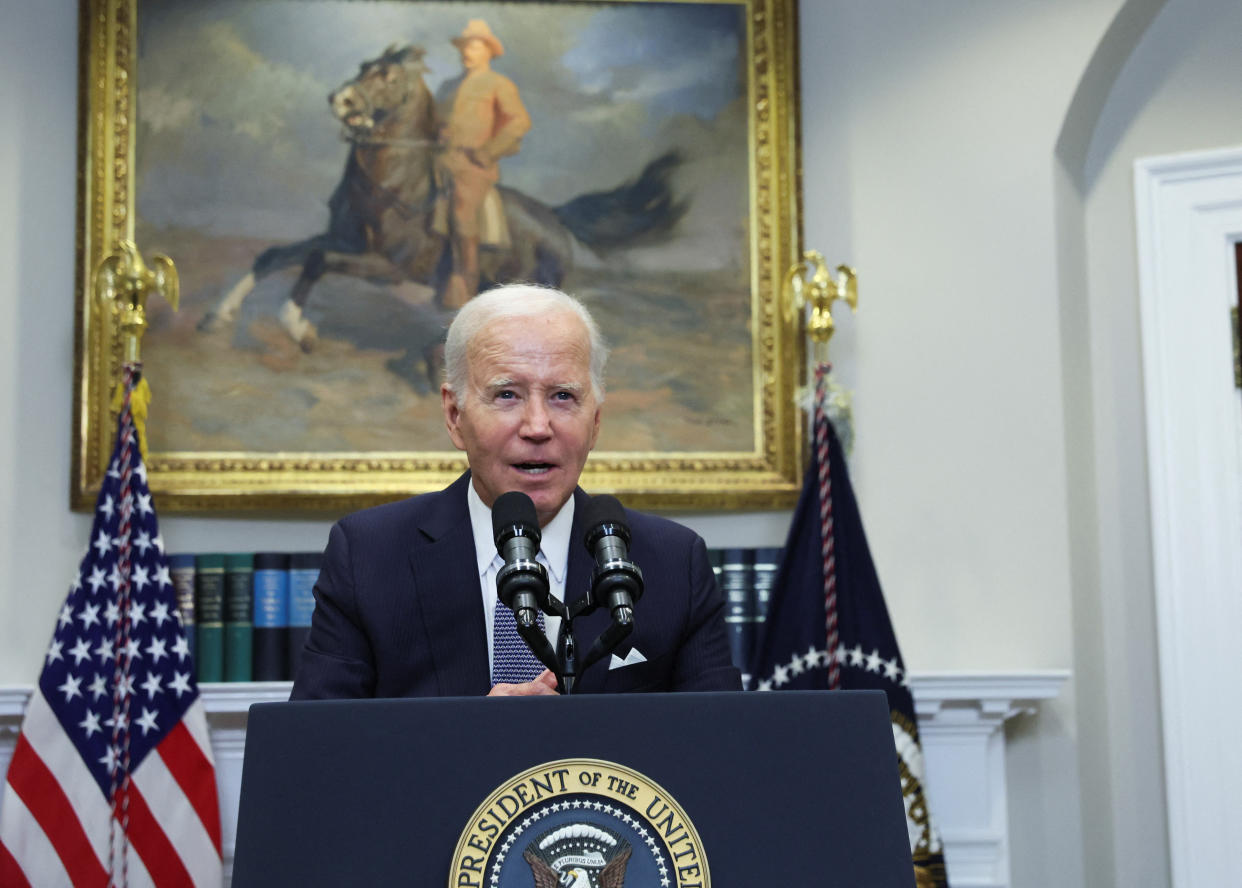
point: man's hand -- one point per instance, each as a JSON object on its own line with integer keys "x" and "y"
{"x": 543, "y": 684}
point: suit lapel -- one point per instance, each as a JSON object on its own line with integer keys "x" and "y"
{"x": 447, "y": 586}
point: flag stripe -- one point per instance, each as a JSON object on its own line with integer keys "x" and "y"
{"x": 174, "y": 812}
{"x": 135, "y": 874}
{"x": 194, "y": 774}
{"x": 37, "y": 787}
{"x": 152, "y": 845}
{"x": 43, "y": 731}
{"x": 195, "y": 721}
{"x": 92, "y": 810}
{"x": 10, "y": 873}
{"x": 31, "y": 851}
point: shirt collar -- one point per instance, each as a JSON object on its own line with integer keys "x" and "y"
{"x": 554, "y": 543}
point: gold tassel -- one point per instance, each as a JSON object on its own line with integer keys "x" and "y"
{"x": 139, "y": 405}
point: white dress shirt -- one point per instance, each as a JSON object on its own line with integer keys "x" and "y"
{"x": 553, "y": 555}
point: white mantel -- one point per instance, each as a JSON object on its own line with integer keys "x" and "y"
{"x": 961, "y": 720}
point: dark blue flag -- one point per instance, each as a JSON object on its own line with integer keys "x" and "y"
{"x": 828, "y": 627}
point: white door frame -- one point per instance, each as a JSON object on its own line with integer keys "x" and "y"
{"x": 1189, "y": 214}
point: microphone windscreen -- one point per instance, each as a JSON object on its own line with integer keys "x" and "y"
{"x": 601, "y": 510}
{"x": 514, "y": 509}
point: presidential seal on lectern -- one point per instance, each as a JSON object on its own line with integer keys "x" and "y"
{"x": 579, "y": 823}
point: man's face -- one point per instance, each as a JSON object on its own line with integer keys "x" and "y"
{"x": 528, "y": 417}
{"x": 475, "y": 53}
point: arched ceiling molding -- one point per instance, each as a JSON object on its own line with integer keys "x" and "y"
{"x": 1098, "y": 78}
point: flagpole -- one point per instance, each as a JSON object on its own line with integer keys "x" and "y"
{"x": 123, "y": 651}
{"x": 123, "y": 284}
{"x": 809, "y": 285}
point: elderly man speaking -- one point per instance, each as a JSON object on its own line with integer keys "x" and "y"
{"x": 406, "y": 603}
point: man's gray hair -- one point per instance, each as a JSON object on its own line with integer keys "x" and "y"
{"x": 513, "y": 302}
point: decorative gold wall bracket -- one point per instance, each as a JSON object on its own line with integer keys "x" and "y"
{"x": 810, "y": 283}
{"x": 123, "y": 282}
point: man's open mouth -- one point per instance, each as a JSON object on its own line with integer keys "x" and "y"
{"x": 533, "y": 468}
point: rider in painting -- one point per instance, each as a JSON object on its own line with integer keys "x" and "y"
{"x": 483, "y": 120}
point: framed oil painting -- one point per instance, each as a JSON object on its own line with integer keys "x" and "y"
{"x": 290, "y": 157}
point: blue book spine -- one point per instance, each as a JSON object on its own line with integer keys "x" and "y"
{"x": 271, "y": 616}
{"x": 303, "y": 572}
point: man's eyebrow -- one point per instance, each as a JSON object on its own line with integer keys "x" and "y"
{"x": 500, "y": 382}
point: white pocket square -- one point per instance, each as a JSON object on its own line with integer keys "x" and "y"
{"x": 634, "y": 656}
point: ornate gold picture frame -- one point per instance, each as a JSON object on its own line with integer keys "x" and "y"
{"x": 205, "y": 135}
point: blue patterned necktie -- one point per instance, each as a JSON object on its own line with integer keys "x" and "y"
{"x": 512, "y": 660}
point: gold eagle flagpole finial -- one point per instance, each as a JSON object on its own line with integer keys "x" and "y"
{"x": 809, "y": 283}
{"x": 123, "y": 283}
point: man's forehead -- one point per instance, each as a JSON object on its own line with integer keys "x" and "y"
{"x": 522, "y": 339}
{"x": 509, "y": 381}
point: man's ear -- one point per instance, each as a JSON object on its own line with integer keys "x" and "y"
{"x": 452, "y": 416}
{"x": 595, "y": 428}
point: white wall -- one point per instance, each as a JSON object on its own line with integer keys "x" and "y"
{"x": 929, "y": 132}
{"x": 1177, "y": 92}
{"x": 999, "y": 456}
{"x": 39, "y": 539}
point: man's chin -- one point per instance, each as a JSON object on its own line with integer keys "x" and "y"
{"x": 548, "y": 499}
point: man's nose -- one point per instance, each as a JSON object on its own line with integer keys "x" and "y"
{"x": 535, "y": 420}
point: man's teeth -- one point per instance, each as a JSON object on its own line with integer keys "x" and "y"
{"x": 533, "y": 468}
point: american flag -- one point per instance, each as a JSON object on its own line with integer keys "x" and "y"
{"x": 111, "y": 781}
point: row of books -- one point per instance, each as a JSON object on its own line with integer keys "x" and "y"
{"x": 745, "y": 577}
{"x": 246, "y": 614}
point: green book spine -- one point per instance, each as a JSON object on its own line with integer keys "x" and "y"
{"x": 209, "y": 616}
{"x": 238, "y": 611}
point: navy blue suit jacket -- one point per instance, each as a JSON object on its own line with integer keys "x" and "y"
{"x": 398, "y": 611}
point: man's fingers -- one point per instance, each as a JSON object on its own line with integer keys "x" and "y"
{"x": 542, "y": 685}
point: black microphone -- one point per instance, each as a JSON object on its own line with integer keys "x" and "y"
{"x": 522, "y": 583}
{"x": 616, "y": 581}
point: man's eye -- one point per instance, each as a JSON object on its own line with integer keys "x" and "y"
{"x": 564, "y": 396}
{"x": 505, "y": 395}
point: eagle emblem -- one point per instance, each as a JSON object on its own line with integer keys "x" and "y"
{"x": 578, "y": 855}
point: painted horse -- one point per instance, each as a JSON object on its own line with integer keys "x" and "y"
{"x": 382, "y": 212}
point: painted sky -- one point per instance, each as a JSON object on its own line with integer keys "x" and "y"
{"x": 235, "y": 135}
